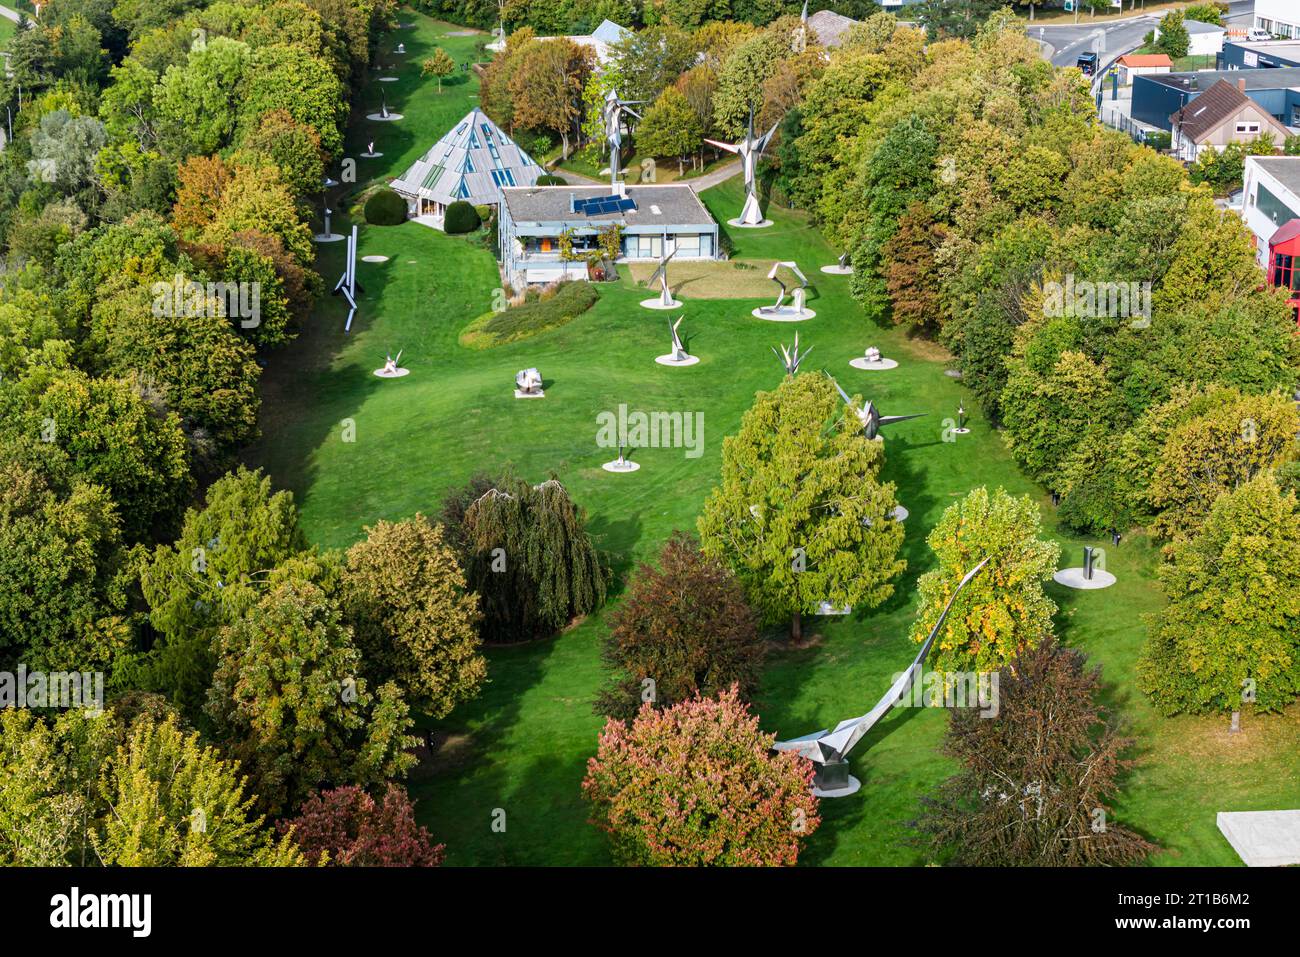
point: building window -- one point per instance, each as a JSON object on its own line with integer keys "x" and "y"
{"x": 644, "y": 247}
{"x": 1272, "y": 207}
{"x": 688, "y": 244}
{"x": 1282, "y": 269}
{"x": 1247, "y": 127}
{"x": 503, "y": 177}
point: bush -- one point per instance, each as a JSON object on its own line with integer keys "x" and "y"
{"x": 461, "y": 217}
{"x": 1159, "y": 140}
{"x": 549, "y": 179}
{"x": 697, "y": 784}
{"x": 534, "y": 316}
{"x": 385, "y": 208}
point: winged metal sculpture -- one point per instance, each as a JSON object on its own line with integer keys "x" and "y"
{"x": 774, "y": 275}
{"x": 750, "y": 150}
{"x": 529, "y": 381}
{"x": 831, "y": 747}
{"x": 790, "y": 358}
{"x": 679, "y": 351}
{"x": 612, "y": 114}
{"x": 869, "y": 415}
{"x": 661, "y": 275}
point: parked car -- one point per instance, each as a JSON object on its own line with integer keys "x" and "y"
{"x": 1255, "y": 33}
{"x": 1087, "y": 62}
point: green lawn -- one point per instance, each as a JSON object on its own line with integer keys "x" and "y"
{"x": 7, "y": 30}
{"x": 521, "y": 746}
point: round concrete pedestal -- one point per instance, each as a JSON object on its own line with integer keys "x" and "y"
{"x": 838, "y": 270}
{"x": 371, "y": 156}
{"x": 617, "y": 467}
{"x": 395, "y": 374}
{"x": 899, "y": 514}
{"x": 854, "y": 786}
{"x": 380, "y": 118}
{"x": 868, "y": 366}
{"x": 670, "y": 361}
{"x": 1073, "y": 578}
{"x": 739, "y": 225}
{"x": 388, "y": 79}
{"x": 784, "y": 314}
{"x": 962, "y": 431}
{"x": 329, "y": 237}
{"x": 658, "y": 304}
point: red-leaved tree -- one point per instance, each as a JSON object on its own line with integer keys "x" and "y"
{"x": 698, "y": 784}
{"x": 347, "y": 825}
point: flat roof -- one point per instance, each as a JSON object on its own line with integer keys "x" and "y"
{"x": 1289, "y": 49}
{"x": 1199, "y": 81}
{"x": 1196, "y": 26}
{"x": 676, "y": 205}
{"x": 1284, "y": 169}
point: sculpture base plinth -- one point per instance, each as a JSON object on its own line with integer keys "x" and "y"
{"x": 899, "y": 514}
{"x": 371, "y": 156}
{"x": 784, "y": 314}
{"x": 380, "y": 118}
{"x": 878, "y": 366}
{"x": 521, "y": 394}
{"x": 329, "y": 237}
{"x": 962, "y": 431}
{"x": 743, "y": 225}
{"x": 374, "y": 258}
{"x": 624, "y": 466}
{"x": 1073, "y": 578}
{"x": 833, "y": 780}
{"x": 826, "y": 608}
{"x": 388, "y": 79}
{"x": 838, "y": 270}
{"x": 659, "y": 304}
{"x": 671, "y": 361}
{"x": 395, "y": 374}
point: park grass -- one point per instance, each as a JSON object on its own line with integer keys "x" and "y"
{"x": 730, "y": 279}
{"x": 7, "y": 29}
{"x": 521, "y": 746}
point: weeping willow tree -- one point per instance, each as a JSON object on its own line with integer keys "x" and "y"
{"x": 529, "y": 557}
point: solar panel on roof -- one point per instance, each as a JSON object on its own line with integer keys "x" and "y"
{"x": 601, "y": 205}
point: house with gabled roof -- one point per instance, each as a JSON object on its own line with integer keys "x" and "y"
{"x": 473, "y": 162}
{"x": 1221, "y": 115}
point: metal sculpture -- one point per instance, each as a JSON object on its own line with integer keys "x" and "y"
{"x": 679, "y": 353}
{"x": 528, "y": 384}
{"x": 612, "y": 114}
{"x": 869, "y": 415}
{"x": 829, "y": 749}
{"x": 347, "y": 285}
{"x": 750, "y": 150}
{"x": 790, "y": 358}
{"x": 796, "y": 309}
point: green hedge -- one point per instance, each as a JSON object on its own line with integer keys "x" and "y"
{"x": 385, "y": 208}
{"x": 535, "y": 315}
{"x": 549, "y": 179}
{"x": 461, "y": 217}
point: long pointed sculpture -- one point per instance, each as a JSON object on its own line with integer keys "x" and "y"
{"x": 829, "y": 749}
{"x": 750, "y": 150}
{"x": 869, "y": 415}
{"x": 679, "y": 350}
{"x": 790, "y": 358}
{"x": 612, "y": 113}
{"x": 665, "y": 300}
{"x": 347, "y": 284}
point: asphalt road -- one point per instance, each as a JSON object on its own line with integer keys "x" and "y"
{"x": 1114, "y": 38}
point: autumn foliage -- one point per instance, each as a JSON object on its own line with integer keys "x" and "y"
{"x": 348, "y": 828}
{"x": 698, "y": 784}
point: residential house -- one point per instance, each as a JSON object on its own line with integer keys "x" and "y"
{"x": 1133, "y": 65}
{"x": 829, "y": 27}
{"x": 537, "y": 222}
{"x": 1156, "y": 97}
{"x": 1221, "y": 115}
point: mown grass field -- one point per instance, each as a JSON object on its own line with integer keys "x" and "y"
{"x": 522, "y": 745}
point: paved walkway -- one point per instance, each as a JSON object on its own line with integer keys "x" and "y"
{"x": 712, "y": 178}
{"x": 10, "y": 14}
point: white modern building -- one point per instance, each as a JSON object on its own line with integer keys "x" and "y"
{"x": 537, "y": 223}
{"x": 1279, "y": 17}
{"x": 1270, "y": 198}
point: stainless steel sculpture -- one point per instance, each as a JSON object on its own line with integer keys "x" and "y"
{"x": 660, "y": 275}
{"x": 347, "y": 285}
{"x": 528, "y": 384}
{"x": 612, "y": 113}
{"x": 679, "y": 351}
{"x": 779, "y": 311}
{"x": 829, "y": 749}
{"x": 790, "y": 358}
{"x": 869, "y": 415}
{"x": 750, "y": 150}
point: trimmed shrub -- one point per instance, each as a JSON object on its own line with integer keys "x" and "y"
{"x": 461, "y": 218}
{"x": 549, "y": 179}
{"x": 535, "y": 315}
{"x": 385, "y": 208}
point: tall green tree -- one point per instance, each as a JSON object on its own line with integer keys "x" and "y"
{"x": 800, "y": 513}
